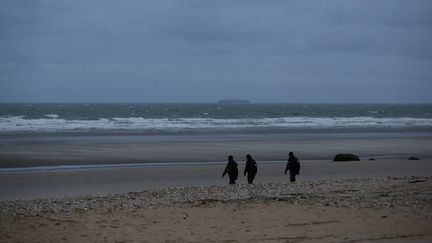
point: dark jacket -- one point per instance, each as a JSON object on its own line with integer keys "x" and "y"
{"x": 293, "y": 165}
{"x": 231, "y": 169}
{"x": 251, "y": 167}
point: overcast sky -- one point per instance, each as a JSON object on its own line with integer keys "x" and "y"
{"x": 203, "y": 51}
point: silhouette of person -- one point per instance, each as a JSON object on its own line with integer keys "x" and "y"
{"x": 250, "y": 169}
{"x": 293, "y": 166}
{"x": 231, "y": 169}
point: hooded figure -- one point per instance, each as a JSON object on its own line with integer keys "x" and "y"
{"x": 231, "y": 169}
{"x": 293, "y": 166}
{"x": 250, "y": 169}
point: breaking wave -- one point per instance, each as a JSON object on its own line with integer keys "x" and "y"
{"x": 53, "y": 123}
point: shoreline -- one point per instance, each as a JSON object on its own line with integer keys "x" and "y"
{"x": 32, "y": 151}
{"x": 69, "y": 166}
{"x": 114, "y": 166}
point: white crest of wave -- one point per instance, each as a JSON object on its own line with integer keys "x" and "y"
{"x": 53, "y": 116}
{"x": 53, "y": 123}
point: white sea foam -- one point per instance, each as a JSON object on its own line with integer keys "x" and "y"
{"x": 54, "y": 116}
{"x": 53, "y": 123}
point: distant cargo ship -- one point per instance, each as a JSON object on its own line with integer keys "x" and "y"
{"x": 234, "y": 101}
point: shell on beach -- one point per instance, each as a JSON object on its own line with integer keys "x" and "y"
{"x": 368, "y": 193}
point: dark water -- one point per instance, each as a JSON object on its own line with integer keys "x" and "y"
{"x": 126, "y": 110}
{"x": 178, "y": 117}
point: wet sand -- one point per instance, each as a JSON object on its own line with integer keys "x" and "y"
{"x": 100, "y": 182}
{"x": 315, "y": 151}
{"x": 42, "y": 150}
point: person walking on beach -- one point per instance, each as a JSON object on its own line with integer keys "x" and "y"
{"x": 293, "y": 166}
{"x": 231, "y": 169}
{"x": 250, "y": 169}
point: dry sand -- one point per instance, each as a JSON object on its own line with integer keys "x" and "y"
{"x": 350, "y": 210}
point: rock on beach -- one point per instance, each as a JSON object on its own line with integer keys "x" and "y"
{"x": 346, "y": 157}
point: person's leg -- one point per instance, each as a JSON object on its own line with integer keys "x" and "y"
{"x": 253, "y": 177}
{"x": 250, "y": 178}
{"x": 232, "y": 181}
{"x": 292, "y": 176}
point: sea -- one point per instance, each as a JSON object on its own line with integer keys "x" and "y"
{"x": 180, "y": 118}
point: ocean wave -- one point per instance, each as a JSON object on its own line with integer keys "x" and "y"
{"x": 53, "y": 116}
{"x": 53, "y": 123}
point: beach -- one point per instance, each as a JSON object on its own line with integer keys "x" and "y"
{"x": 141, "y": 162}
{"x": 396, "y": 209}
{"x": 122, "y": 188}
{"x": 29, "y": 150}
{"x": 215, "y": 121}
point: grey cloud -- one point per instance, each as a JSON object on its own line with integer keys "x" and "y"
{"x": 396, "y": 14}
{"x": 222, "y": 47}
